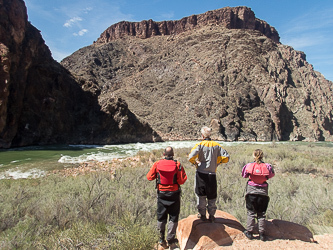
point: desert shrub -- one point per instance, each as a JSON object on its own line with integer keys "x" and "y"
{"x": 132, "y": 235}
{"x": 124, "y": 233}
{"x": 56, "y": 205}
{"x": 149, "y": 157}
{"x": 297, "y": 195}
{"x": 299, "y": 198}
{"x": 118, "y": 211}
{"x": 328, "y": 217}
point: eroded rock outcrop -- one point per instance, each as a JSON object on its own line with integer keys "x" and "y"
{"x": 42, "y": 103}
{"x": 223, "y": 68}
{"x": 240, "y": 81}
{"x": 231, "y": 18}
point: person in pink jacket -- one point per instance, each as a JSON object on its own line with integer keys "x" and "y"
{"x": 256, "y": 196}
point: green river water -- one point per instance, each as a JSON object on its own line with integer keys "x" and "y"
{"x": 35, "y": 161}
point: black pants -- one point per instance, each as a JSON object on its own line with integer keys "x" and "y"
{"x": 256, "y": 202}
{"x": 168, "y": 204}
{"x": 206, "y": 185}
{"x": 256, "y": 206}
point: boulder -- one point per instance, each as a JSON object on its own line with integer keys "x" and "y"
{"x": 193, "y": 233}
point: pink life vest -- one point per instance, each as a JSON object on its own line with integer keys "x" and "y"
{"x": 258, "y": 172}
{"x": 167, "y": 172}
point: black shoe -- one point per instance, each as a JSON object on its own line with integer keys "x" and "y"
{"x": 262, "y": 237}
{"x": 211, "y": 218}
{"x": 173, "y": 244}
{"x": 248, "y": 234}
{"x": 202, "y": 217}
{"x": 163, "y": 243}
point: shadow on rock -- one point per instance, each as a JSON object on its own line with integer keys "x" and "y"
{"x": 285, "y": 230}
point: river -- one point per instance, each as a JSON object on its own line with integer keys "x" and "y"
{"x": 36, "y": 161}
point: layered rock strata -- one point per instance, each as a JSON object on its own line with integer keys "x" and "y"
{"x": 231, "y": 18}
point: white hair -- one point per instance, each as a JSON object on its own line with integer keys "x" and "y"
{"x": 205, "y": 131}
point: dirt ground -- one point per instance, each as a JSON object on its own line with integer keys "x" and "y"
{"x": 242, "y": 243}
{"x": 320, "y": 242}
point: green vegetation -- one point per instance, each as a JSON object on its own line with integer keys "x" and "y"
{"x": 117, "y": 211}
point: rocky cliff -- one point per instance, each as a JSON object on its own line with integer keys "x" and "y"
{"x": 223, "y": 68}
{"x": 150, "y": 80}
{"x": 42, "y": 103}
{"x": 231, "y": 18}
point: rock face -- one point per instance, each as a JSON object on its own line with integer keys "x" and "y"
{"x": 224, "y": 69}
{"x": 192, "y": 233}
{"x": 42, "y": 103}
{"x": 231, "y": 18}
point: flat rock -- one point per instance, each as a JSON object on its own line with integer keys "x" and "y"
{"x": 193, "y": 233}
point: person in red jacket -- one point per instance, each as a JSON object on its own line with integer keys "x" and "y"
{"x": 169, "y": 175}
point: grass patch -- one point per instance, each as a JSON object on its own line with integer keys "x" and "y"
{"x": 117, "y": 210}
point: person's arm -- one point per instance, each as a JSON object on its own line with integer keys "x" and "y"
{"x": 271, "y": 171}
{"x": 223, "y": 156}
{"x": 245, "y": 174}
{"x": 152, "y": 174}
{"x": 194, "y": 154}
{"x": 181, "y": 175}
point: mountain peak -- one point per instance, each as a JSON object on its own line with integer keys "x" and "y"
{"x": 229, "y": 17}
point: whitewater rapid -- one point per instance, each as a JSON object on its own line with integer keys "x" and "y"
{"x": 36, "y": 161}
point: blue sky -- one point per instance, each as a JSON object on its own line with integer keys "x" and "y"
{"x": 68, "y": 25}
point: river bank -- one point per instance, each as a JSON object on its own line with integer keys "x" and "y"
{"x": 38, "y": 161}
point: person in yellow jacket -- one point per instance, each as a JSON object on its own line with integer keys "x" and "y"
{"x": 206, "y": 156}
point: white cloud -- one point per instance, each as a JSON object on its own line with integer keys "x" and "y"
{"x": 303, "y": 41}
{"x": 309, "y": 30}
{"x": 83, "y": 19}
{"x": 86, "y": 10}
{"x": 81, "y": 32}
{"x": 166, "y": 16}
{"x": 311, "y": 21}
{"x": 70, "y": 22}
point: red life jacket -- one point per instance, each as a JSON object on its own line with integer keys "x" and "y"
{"x": 167, "y": 171}
{"x": 258, "y": 172}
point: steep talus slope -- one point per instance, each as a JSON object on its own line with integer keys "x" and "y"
{"x": 239, "y": 81}
{"x": 42, "y": 103}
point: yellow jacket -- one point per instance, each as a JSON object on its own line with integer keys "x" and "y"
{"x": 210, "y": 154}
